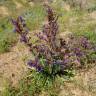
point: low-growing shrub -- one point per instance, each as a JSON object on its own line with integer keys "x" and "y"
{"x": 50, "y": 58}
{"x": 53, "y": 57}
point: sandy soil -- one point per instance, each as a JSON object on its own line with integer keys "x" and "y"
{"x": 13, "y": 64}
{"x": 4, "y": 11}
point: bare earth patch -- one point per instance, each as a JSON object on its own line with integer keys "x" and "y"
{"x": 12, "y": 65}
{"x": 31, "y": 4}
{"x": 4, "y": 11}
{"x": 93, "y": 15}
{"x": 67, "y": 7}
{"x": 83, "y": 84}
{"x": 18, "y": 5}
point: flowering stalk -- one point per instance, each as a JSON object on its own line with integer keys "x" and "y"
{"x": 51, "y": 58}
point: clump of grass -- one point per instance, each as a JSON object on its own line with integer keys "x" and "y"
{"x": 33, "y": 85}
{"x": 84, "y": 29}
{"x": 34, "y": 16}
{"x": 4, "y": 45}
{"x": 7, "y": 38}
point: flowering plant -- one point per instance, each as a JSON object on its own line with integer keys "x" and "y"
{"x": 52, "y": 58}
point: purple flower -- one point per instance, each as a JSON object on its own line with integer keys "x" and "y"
{"x": 60, "y": 62}
{"x": 78, "y": 52}
{"x": 21, "y": 18}
{"x": 22, "y": 21}
{"x": 14, "y": 30}
{"x": 42, "y": 36}
{"x": 14, "y": 22}
{"x": 39, "y": 68}
{"x": 85, "y": 43}
{"x": 66, "y": 61}
{"x": 35, "y": 64}
{"x": 23, "y": 39}
{"x": 32, "y": 63}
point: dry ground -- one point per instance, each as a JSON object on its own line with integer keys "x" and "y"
{"x": 83, "y": 84}
{"x": 12, "y": 65}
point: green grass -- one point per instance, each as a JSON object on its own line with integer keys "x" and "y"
{"x": 34, "y": 17}
{"x": 7, "y": 37}
{"x": 77, "y": 22}
{"x": 84, "y": 28}
{"x": 33, "y": 85}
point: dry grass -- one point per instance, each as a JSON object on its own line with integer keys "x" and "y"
{"x": 83, "y": 84}
{"x": 12, "y": 64}
{"x": 4, "y": 11}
